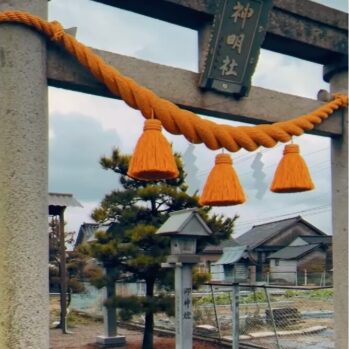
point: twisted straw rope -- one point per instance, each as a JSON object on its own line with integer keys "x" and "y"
{"x": 174, "y": 119}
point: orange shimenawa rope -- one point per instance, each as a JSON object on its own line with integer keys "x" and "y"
{"x": 174, "y": 119}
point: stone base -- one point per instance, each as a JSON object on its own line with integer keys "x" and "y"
{"x": 111, "y": 342}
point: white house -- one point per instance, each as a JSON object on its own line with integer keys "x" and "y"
{"x": 304, "y": 255}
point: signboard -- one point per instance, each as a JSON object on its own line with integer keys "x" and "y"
{"x": 238, "y": 32}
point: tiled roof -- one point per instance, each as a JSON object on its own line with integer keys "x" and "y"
{"x": 88, "y": 231}
{"x": 63, "y": 200}
{"x": 260, "y": 233}
{"x": 85, "y": 232}
{"x": 293, "y": 252}
{"x": 327, "y": 239}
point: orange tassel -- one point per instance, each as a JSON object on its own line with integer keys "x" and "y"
{"x": 152, "y": 159}
{"x": 222, "y": 187}
{"x": 292, "y": 174}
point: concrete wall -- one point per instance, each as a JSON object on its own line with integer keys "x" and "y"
{"x": 286, "y": 270}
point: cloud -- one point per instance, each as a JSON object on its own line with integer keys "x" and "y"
{"x": 288, "y": 74}
{"x": 128, "y": 33}
{"x": 166, "y": 47}
{"x": 341, "y": 5}
{"x": 99, "y": 26}
{"x": 74, "y": 151}
{"x": 108, "y": 114}
{"x": 75, "y": 216}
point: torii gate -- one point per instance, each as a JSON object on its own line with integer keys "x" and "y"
{"x": 298, "y": 28}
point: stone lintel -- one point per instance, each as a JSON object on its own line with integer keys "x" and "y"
{"x": 181, "y": 87}
{"x": 299, "y": 28}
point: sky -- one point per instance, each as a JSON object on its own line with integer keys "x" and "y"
{"x": 84, "y": 127}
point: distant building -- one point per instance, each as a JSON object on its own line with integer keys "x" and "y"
{"x": 87, "y": 232}
{"x": 306, "y": 255}
{"x": 267, "y": 239}
{"x": 233, "y": 265}
{"x": 211, "y": 253}
{"x": 284, "y": 251}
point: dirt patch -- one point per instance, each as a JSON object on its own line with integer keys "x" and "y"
{"x": 84, "y": 337}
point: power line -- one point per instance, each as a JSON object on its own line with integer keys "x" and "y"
{"x": 244, "y": 158}
{"x": 309, "y": 212}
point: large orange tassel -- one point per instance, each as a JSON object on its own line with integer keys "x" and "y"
{"x": 152, "y": 158}
{"x": 292, "y": 174}
{"x": 222, "y": 187}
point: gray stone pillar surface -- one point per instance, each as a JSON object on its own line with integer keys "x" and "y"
{"x": 183, "y": 307}
{"x": 110, "y": 339}
{"x": 339, "y": 166}
{"x": 24, "y": 307}
{"x": 109, "y": 314}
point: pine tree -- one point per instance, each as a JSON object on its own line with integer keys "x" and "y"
{"x": 130, "y": 245}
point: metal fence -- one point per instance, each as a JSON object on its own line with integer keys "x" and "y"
{"x": 299, "y": 278}
{"x": 245, "y": 316}
{"x": 281, "y": 277}
{"x": 266, "y": 316}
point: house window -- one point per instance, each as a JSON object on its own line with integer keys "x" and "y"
{"x": 277, "y": 262}
{"x": 228, "y": 272}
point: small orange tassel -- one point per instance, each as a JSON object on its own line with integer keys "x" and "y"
{"x": 292, "y": 174}
{"x": 222, "y": 187}
{"x": 152, "y": 159}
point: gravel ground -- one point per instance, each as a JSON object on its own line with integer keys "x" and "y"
{"x": 84, "y": 336}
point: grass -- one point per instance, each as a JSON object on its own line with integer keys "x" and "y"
{"x": 77, "y": 318}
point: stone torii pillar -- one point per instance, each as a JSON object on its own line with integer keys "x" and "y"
{"x": 337, "y": 76}
{"x": 23, "y": 183}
